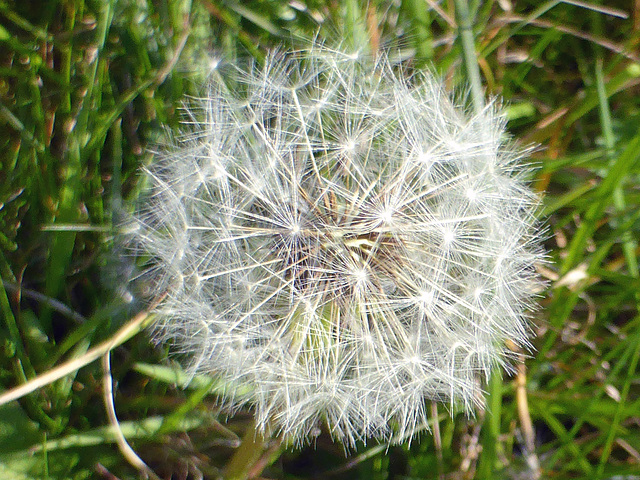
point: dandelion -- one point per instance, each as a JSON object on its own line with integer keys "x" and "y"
{"x": 340, "y": 243}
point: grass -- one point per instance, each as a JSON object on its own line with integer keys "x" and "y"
{"x": 88, "y": 87}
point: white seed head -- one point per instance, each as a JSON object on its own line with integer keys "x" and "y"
{"x": 340, "y": 244}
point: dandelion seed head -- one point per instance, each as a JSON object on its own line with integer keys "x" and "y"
{"x": 340, "y": 244}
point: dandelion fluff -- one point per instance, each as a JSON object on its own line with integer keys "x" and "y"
{"x": 340, "y": 243}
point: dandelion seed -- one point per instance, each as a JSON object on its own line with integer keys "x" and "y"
{"x": 340, "y": 244}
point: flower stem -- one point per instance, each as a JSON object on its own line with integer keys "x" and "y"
{"x": 248, "y": 453}
{"x": 491, "y": 428}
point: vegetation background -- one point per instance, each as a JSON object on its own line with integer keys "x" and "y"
{"x": 87, "y": 88}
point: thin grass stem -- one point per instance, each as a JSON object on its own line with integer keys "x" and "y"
{"x": 467, "y": 41}
{"x": 129, "y": 330}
